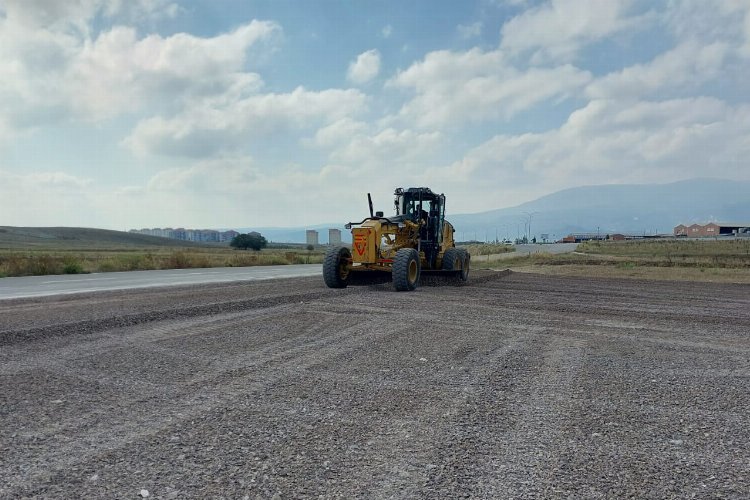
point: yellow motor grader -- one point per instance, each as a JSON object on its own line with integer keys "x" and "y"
{"x": 417, "y": 240}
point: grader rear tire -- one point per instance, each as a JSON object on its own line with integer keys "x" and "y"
{"x": 336, "y": 267}
{"x": 466, "y": 258}
{"x": 452, "y": 259}
{"x": 406, "y": 270}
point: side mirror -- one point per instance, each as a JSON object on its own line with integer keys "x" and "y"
{"x": 378, "y": 214}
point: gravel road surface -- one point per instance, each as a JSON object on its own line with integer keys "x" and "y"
{"x": 519, "y": 386}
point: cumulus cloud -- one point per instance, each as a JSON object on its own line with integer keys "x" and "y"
{"x": 338, "y": 132}
{"x": 457, "y": 87}
{"x": 385, "y": 155}
{"x": 225, "y": 123}
{"x": 201, "y": 101}
{"x": 711, "y": 21}
{"x": 612, "y": 142}
{"x": 120, "y": 72}
{"x": 365, "y": 67}
{"x": 556, "y": 30}
{"x": 387, "y": 147}
{"x": 61, "y": 180}
{"x": 52, "y": 72}
{"x": 58, "y": 197}
{"x": 690, "y": 64}
{"x": 236, "y": 186}
{"x": 56, "y": 15}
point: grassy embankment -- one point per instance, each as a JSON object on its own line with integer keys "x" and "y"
{"x": 42, "y": 251}
{"x": 686, "y": 260}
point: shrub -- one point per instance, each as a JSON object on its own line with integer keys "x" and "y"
{"x": 72, "y": 267}
{"x": 43, "y": 265}
{"x": 177, "y": 260}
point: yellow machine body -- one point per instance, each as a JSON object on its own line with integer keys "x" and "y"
{"x": 375, "y": 243}
{"x": 416, "y": 241}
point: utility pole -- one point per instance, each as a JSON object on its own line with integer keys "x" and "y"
{"x": 529, "y": 216}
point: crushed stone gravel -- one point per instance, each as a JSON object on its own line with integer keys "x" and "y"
{"x": 513, "y": 385}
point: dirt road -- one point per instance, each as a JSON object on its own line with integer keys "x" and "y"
{"x": 521, "y": 386}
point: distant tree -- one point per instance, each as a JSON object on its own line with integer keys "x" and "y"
{"x": 254, "y": 241}
{"x": 310, "y": 248}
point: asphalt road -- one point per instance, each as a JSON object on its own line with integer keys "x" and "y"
{"x": 40, "y": 286}
{"x": 520, "y": 386}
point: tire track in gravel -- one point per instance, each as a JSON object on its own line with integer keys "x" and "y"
{"x": 91, "y": 326}
{"x": 195, "y": 395}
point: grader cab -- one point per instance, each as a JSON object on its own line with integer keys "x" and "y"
{"x": 416, "y": 241}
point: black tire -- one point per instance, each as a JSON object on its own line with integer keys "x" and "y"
{"x": 453, "y": 260}
{"x": 406, "y": 270}
{"x": 336, "y": 267}
{"x": 466, "y": 264}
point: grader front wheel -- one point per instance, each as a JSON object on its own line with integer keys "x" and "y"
{"x": 406, "y": 270}
{"x": 336, "y": 267}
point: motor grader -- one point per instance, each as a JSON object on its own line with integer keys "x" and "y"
{"x": 416, "y": 241}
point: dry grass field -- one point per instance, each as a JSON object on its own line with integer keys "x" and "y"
{"x": 681, "y": 260}
{"x": 488, "y": 249}
{"x": 43, "y": 251}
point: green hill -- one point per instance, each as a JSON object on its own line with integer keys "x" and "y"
{"x": 81, "y": 238}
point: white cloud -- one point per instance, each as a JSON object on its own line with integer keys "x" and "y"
{"x": 228, "y": 189}
{"x": 386, "y": 157}
{"x": 470, "y": 30}
{"x": 609, "y": 142}
{"x": 687, "y": 65}
{"x": 57, "y": 198}
{"x": 227, "y": 122}
{"x": 53, "y": 73}
{"x": 51, "y": 179}
{"x": 154, "y": 68}
{"x": 455, "y": 87}
{"x": 556, "y": 30}
{"x": 711, "y": 21}
{"x": 388, "y": 147}
{"x": 338, "y": 132}
{"x": 201, "y": 99}
{"x": 365, "y": 67}
{"x": 58, "y": 15}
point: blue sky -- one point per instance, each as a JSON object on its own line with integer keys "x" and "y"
{"x": 210, "y": 113}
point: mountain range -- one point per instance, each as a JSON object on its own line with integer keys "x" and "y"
{"x": 614, "y": 208}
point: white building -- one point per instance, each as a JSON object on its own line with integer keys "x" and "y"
{"x": 334, "y": 237}
{"x": 311, "y": 237}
